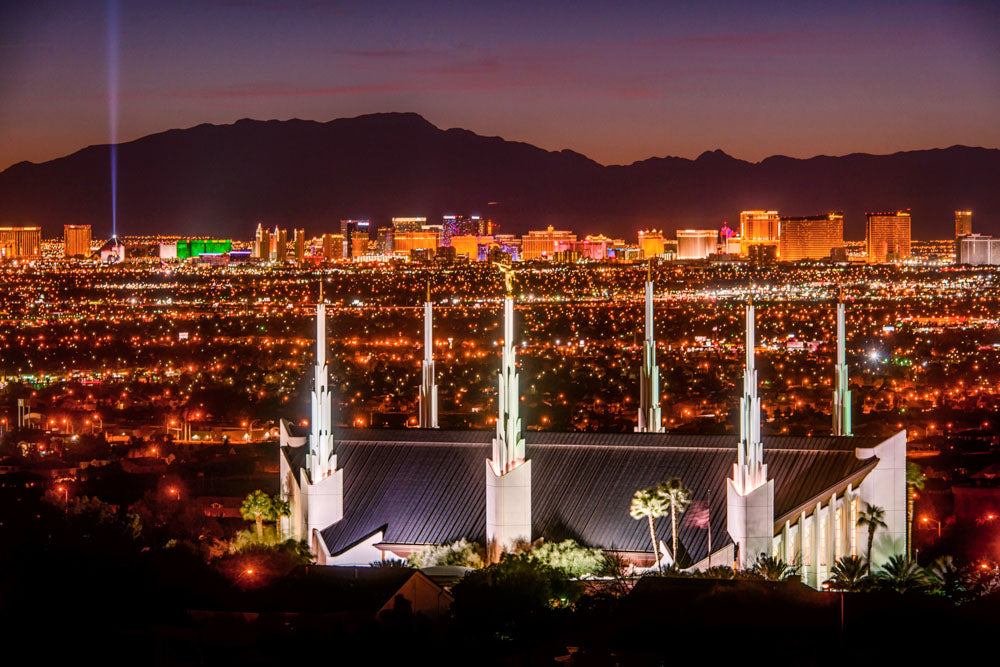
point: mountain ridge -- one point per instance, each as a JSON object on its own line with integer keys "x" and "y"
{"x": 222, "y": 179}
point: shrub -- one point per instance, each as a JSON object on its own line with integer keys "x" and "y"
{"x": 569, "y": 557}
{"x": 461, "y": 552}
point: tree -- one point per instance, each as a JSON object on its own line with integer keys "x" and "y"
{"x": 569, "y": 557}
{"x": 256, "y": 507}
{"x": 461, "y": 553}
{"x": 678, "y": 497}
{"x": 915, "y": 479}
{"x": 279, "y": 508}
{"x": 849, "y": 574}
{"x": 651, "y": 505}
{"x": 510, "y": 601}
{"x": 902, "y": 575}
{"x": 946, "y": 577}
{"x": 874, "y": 518}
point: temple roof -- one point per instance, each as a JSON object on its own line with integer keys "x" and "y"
{"x": 429, "y": 486}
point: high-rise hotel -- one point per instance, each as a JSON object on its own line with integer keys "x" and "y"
{"x": 76, "y": 241}
{"x": 963, "y": 223}
{"x": 20, "y": 242}
{"x": 888, "y": 236}
{"x": 810, "y": 237}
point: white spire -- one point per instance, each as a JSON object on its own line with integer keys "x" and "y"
{"x": 508, "y": 474}
{"x": 428, "y": 400}
{"x": 841, "y": 391}
{"x": 749, "y": 472}
{"x": 649, "y": 379}
{"x": 322, "y": 460}
{"x": 508, "y": 445}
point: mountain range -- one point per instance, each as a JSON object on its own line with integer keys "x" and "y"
{"x": 221, "y": 180}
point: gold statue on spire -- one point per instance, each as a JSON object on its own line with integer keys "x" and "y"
{"x": 320, "y": 291}
{"x": 508, "y": 277}
{"x": 428, "y": 291}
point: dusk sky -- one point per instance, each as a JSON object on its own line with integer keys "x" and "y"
{"x": 617, "y": 81}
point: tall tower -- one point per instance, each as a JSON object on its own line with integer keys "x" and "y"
{"x": 321, "y": 483}
{"x": 428, "y": 390}
{"x": 841, "y": 391}
{"x": 508, "y": 473}
{"x": 649, "y": 379}
{"x": 750, "y": 494}
{"x": 322, "y": 459}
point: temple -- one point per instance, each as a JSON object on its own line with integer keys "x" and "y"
{"x": 364, "y": 495}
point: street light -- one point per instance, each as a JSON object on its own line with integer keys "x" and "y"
{"x": 927, "y": 520}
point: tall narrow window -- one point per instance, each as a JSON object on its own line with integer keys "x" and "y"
{"x": 854, "y": 523}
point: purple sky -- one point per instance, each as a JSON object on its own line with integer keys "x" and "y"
{"x": 618, "y": 81}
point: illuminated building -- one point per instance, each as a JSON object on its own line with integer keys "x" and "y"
{"x": 262, "y": 243}
{"x": 978, "y": 250}
{"x": 193, "y": 248}
{"x": 300, "y": 246}
{"x": 462, "y": 225}
{"x": 963, "y": 223}
{"x": 651, "y": 243}
{"x": 542, "y": 244}
{"x": 696, "y": 243}
{"x": 356, "y": 233}
{"x": 790, "y": 497}
{"x": 76, "y": 241}
{"x": 279, "y": 246}
{"x": 20, "y": 242}
{"x": 384, "y": 241}
{"x": 810, "y": 237}
{"x": 333, "y": 246}
{"x": 888, "y": 236}
{"x": 408, "y": 224}
{"x": 468, "y": 245}
{"x": 112, "y": 252}
{"x": 406, "y": 242}
{"x": 593, "y": 248}
{"x": 759, "y": 226}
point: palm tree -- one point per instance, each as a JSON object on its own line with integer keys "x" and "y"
{"x": 651, "y": 504}
{"x": 902, "y": 575}
{"x": 946, "y": 576}
{"x": 279, "y": 508}
{"x": 915, "y": 479}
{"x": 678, "y": 497}
{"x": 256, "y": 507}
{"x": 849, "y": 574}
{"x": 874, "y": 518}
{"x": 772, "y": 568}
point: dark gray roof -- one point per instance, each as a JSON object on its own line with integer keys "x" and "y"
{"x": 428, "y": 486}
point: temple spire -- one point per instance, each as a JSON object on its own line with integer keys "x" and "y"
{"x": 841, "y": 391}
{"x": 749, "y": 471}
{"x": 649, "y": 378}
{"x": 321, "y": 448}
{"x": 508, "y": 445}
{"x": 508, "y": 473}
{"x": 428, "y": 400}
{"x": 750, "y": 494}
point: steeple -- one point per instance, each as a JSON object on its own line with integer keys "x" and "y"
{"x": 508, "y": 473}
{"x": 322, "y": 459}
{"x": 750, "y": 494}
{"x": 841, "y": 391}
{"x": 649, "y": 379}
{"x": 428, "y": 400}
{"x": 508, "y": 445}
{"x": 749, "y": 471}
